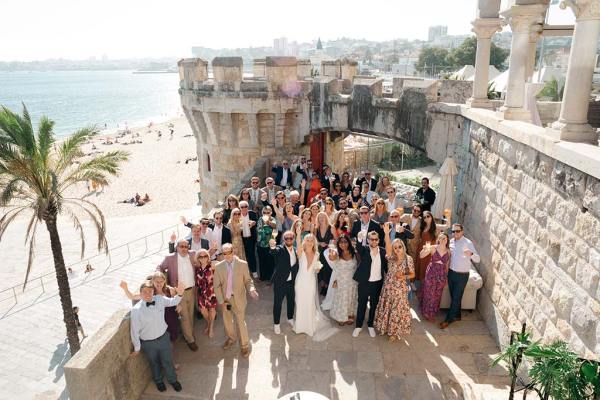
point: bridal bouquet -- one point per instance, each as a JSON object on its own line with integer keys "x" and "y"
{"x": 318, "y": 266}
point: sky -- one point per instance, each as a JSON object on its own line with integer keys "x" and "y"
{"x": 42, "y": 29}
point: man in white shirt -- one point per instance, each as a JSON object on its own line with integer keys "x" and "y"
{"x": 179, "y": 269}
{"x": 369, "y": 275}
{"x": 284, "y": 276}
{"x": 221, "y": 235}
{"x": 149, "y": 333}
{"x": 463, "y": 252}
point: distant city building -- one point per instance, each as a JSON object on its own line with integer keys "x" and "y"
{"x": 437, "y": 31}
{"x": 449, "y": 41}
{"x": 280, "y": 46}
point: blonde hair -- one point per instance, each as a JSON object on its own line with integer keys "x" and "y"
{"x": 202, "y": 252}
{"x": 403, "y": 246}
{"x": 314, "y": 240}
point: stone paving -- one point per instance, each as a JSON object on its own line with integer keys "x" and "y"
{"x": 431, "y": 364}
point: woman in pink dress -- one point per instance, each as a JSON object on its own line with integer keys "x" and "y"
{"x": 435, "y": 276}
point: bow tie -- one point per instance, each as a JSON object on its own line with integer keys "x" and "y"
{"x": 150, "y": 303}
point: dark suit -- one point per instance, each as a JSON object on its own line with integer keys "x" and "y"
{"x": 326, "y": 184}
{"x": 203, "y": 243}
{"x": 373, "y": 226}
{"x": 404, "y": 236}
{"x": 373, "y": 183}
{"x": 281, "y": 286}
{"x": 368, "y": 291}
{"x": 279, "y": 176}
{"x": 225, "y": 233}
{"x": 250, "y": 242}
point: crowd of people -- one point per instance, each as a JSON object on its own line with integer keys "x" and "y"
{"x": 328, "y": 244}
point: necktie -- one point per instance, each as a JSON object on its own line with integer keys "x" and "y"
{"x": 150, "y": 303}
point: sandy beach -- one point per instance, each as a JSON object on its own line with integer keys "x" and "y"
{"x": 156, "y": 167}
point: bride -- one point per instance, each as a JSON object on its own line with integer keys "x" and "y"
{"x": 309, "y": 318}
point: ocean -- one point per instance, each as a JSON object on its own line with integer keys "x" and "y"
{"x": 74, "y": 99}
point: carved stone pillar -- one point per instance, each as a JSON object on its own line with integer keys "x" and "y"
{"x": 521, "y": 18}
{"x": 572, "y": 124}
{"x": 484, "y": 29}
{"x": 534, "y": 37}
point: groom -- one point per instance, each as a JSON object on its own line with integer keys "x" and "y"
{"x": 369, "y": 275}
{"x": 286, "y": 269}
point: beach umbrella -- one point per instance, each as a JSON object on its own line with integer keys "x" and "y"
{"x": 445, "y": 196}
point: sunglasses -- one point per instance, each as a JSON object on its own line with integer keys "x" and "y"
{"x": 417, "y": 211}
{"x": 237, "y": 213}
{"x": 203, "y": 256}
{"x": 457, "y": 231}
{"x": 243, "y": 206}
{"x": 288, "y": 238}
{"x": 363, "y": 212}
{"x": 183, "y": 246}
{"x": 218, "y": 218}
{"x": 269, "y": 183}
{"x": 281, "y": 198}
{"x": 205, "y": 223}
{"x": 394, "y": 216}
{"x": 373, "y": 240}
{"x": 228, "y": 253}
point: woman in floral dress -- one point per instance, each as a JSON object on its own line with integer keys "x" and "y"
{"x": 235, "y": 225}
{"x": 345, "y": 295}
{"x": 207, "y": 300}
{"x": 435, "y": 277}
{"x": 393, "y": 317}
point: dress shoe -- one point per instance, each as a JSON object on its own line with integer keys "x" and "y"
{"x": 177, "y": 386}
{"x": 193, "y": 346}
{"x": 444, "y": 325}
{"x": 161, "y": 387}
{"x": 277, "y": 329}
{"x": 356, "y": 332}
{"x": 228, "y": 343}
{"x": 245, "y": 352}
{"x": 372, "y": 332}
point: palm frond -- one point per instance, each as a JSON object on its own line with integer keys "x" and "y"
{"x": 9, "y": 191}
{"x": 8, "y": 217}
{"x": 31, "y": 255}
{"x": 97, "y": 218}
{"x": 45, "y": 138}
{"x": 70, "y": 149}
{"x": 95, "y": 169}
{"x": 78, "y": 227}
{"x": 18, "y": 129}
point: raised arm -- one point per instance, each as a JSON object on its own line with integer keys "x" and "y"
{"x": 298, "y": 240}
{"x": 388, "y": 242}
{"x": 130, "y": 296}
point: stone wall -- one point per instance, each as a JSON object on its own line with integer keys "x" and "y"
{"x": 102, "y": 369}
{"x": 536, "y": 223}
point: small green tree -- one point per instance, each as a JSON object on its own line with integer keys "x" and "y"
{"x": 431, "y": 56}
{"x": 35, "y": 173}
{"x": 551, "y": 90}
{"x": 466, "y": 52}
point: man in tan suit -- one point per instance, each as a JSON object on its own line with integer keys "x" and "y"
{"x": 231, "y": 283}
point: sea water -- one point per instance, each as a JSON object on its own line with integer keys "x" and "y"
{"x": 108, "y": 99}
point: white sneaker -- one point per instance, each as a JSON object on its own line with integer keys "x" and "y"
{"x": 372, "y": 332}
{"x": 255, "y": 275}
{"x": 356, "y": 332}
{"x": 277, "y": 329}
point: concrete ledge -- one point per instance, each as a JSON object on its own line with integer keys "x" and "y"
{"x": 103, "y": 369}
{"x": 581, "y": 156}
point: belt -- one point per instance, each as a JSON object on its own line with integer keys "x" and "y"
{"x": 461, "y": 273}
{"x": 152, "y": 340}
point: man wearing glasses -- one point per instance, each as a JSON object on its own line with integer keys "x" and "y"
{"x": 399, "y": 230}
{"x": 179, "y": 269}
{"x": 249, "y": 219}
{"x": 255, "y": 193}
{"x": 369, "y": 275}
{"x": 221, "y": 235}
{"x": 284, "y": 276}
{"x": 414, "y": 222}
{"x": 462, "y": 253}
{"x": 426, "y": 195}
{"x": 367, "y": 178}
{"x": 232, "y": 282}
{"x": 283, "y": 174}
{"x": 365, "y": 225}
{"x": 392, "y": 202}
{"x": 270, "y": 189}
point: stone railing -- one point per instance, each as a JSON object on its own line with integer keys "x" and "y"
{"x": 103, "y": 368}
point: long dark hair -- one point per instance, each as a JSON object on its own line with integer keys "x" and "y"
{"x": 432, "y": 228}
{"x": 350, "y": 247}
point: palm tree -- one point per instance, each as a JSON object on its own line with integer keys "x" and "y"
{"x": 35, "y": 173}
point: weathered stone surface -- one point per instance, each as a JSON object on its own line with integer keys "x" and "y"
{"x": 591, "y": 198}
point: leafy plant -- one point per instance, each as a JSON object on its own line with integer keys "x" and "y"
{"x": 552, "y": 91}
{"x": 492, "y": 94}
{"x": 35, "y": 173}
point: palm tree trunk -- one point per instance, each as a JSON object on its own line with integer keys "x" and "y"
{"x": 63, "y": 285}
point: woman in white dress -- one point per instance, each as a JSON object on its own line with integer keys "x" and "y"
{"x": 343, "y": 263}
{"x": 309, "y": 318}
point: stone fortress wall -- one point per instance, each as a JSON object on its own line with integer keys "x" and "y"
{"x": 530, "y": 202}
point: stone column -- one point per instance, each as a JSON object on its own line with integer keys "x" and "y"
{"x": 534, "y": 36}
{"x": 572, "y": 124}
{"x": 484, "y": 29}
{"x": 520, "y": 18}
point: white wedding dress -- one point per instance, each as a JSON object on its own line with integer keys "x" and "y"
{"x": 309, "y": 318}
